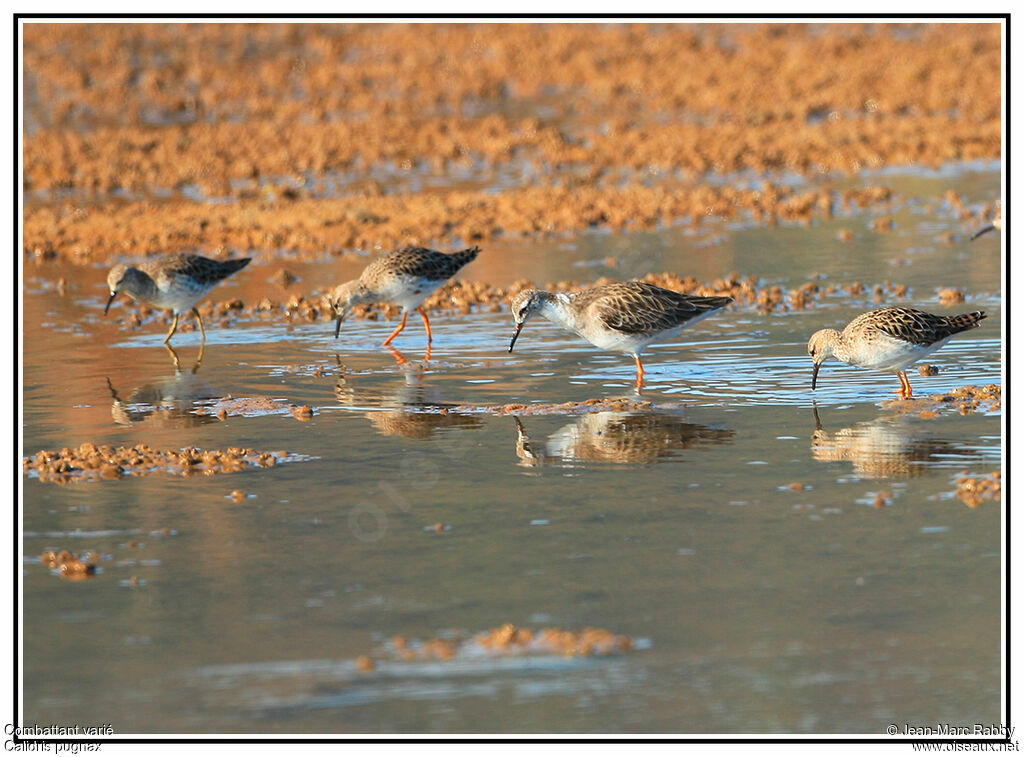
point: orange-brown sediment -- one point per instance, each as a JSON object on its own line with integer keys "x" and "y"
{"x": 972, "y": 490}
{"x": 90, "y": 462}
{"x": 319, "y": 137}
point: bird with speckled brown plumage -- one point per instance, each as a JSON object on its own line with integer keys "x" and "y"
{"x": 622, "y": 317}
{"x": 404, "y": 277}
{"x": 174, "y": 282}
{"x": 888, "y": 339}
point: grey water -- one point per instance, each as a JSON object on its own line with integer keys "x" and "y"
{"x": 762, "y": 607}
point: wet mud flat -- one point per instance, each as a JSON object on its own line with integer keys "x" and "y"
{"x": 191, "y": 162}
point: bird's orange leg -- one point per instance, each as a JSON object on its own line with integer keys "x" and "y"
{"x": 174, "y": 327}
{"x": 905, "y": 391}
{"x": 397, "y": 331}
{"x": 426, "y": 323}
{"x": 202, "y": 344}
{"x": 639, "y": 372}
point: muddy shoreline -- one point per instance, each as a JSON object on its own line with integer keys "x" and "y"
{"x": 363, "y": 137}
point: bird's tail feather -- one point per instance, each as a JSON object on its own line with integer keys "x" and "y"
{"x": 464, "y": 257}
{"x": 966, "y": 321}
{"x": 232, "y": 266}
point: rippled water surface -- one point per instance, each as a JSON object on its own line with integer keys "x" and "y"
{"x": 867, "y": 595}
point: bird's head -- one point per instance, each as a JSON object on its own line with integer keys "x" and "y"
{"x": 343, "y": 297}
{"x": 524, "y": 305}
{"x": 120, "y": 278}
{"x": 820, "y": 348}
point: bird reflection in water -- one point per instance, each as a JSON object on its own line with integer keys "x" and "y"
{"x": 416, "y": 410}
{"x": 167, "y": 402}
{"x": 400, "y": 358}
{"x": 616, "y": 437}
{"x": 887, "y": 447}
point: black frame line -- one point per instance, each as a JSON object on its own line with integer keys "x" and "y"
{"x": 18, "y": 259}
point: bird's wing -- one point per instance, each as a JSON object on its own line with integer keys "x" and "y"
{"x": 634, "y": 307}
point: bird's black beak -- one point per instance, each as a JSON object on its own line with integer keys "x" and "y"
{"x": 979, "y": 232}
{"x": 112, "y": 296}
{"x": 519, "y": 327}
{"x": 814, "y": 376}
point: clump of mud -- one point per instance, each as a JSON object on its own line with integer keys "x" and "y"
{"x": 71, "y": 566}
{"x": 623, "y": 405}
{"x": 252, "y": 407}
{"x": 509, "y": 640}
{"x": 91, "y": 462}
{"x": 972, "y": 490}
{"x": 965, "y": 400}
{"x": 972, "y": 399}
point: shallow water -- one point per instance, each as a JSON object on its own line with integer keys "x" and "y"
{"x": 756, "y": 607}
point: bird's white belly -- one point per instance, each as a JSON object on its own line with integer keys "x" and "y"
{"x": 630, "y": 344}
{"x": 886, "y": 354}
{"x": 179, "y": 299}
{"x": 407, "y": 291}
